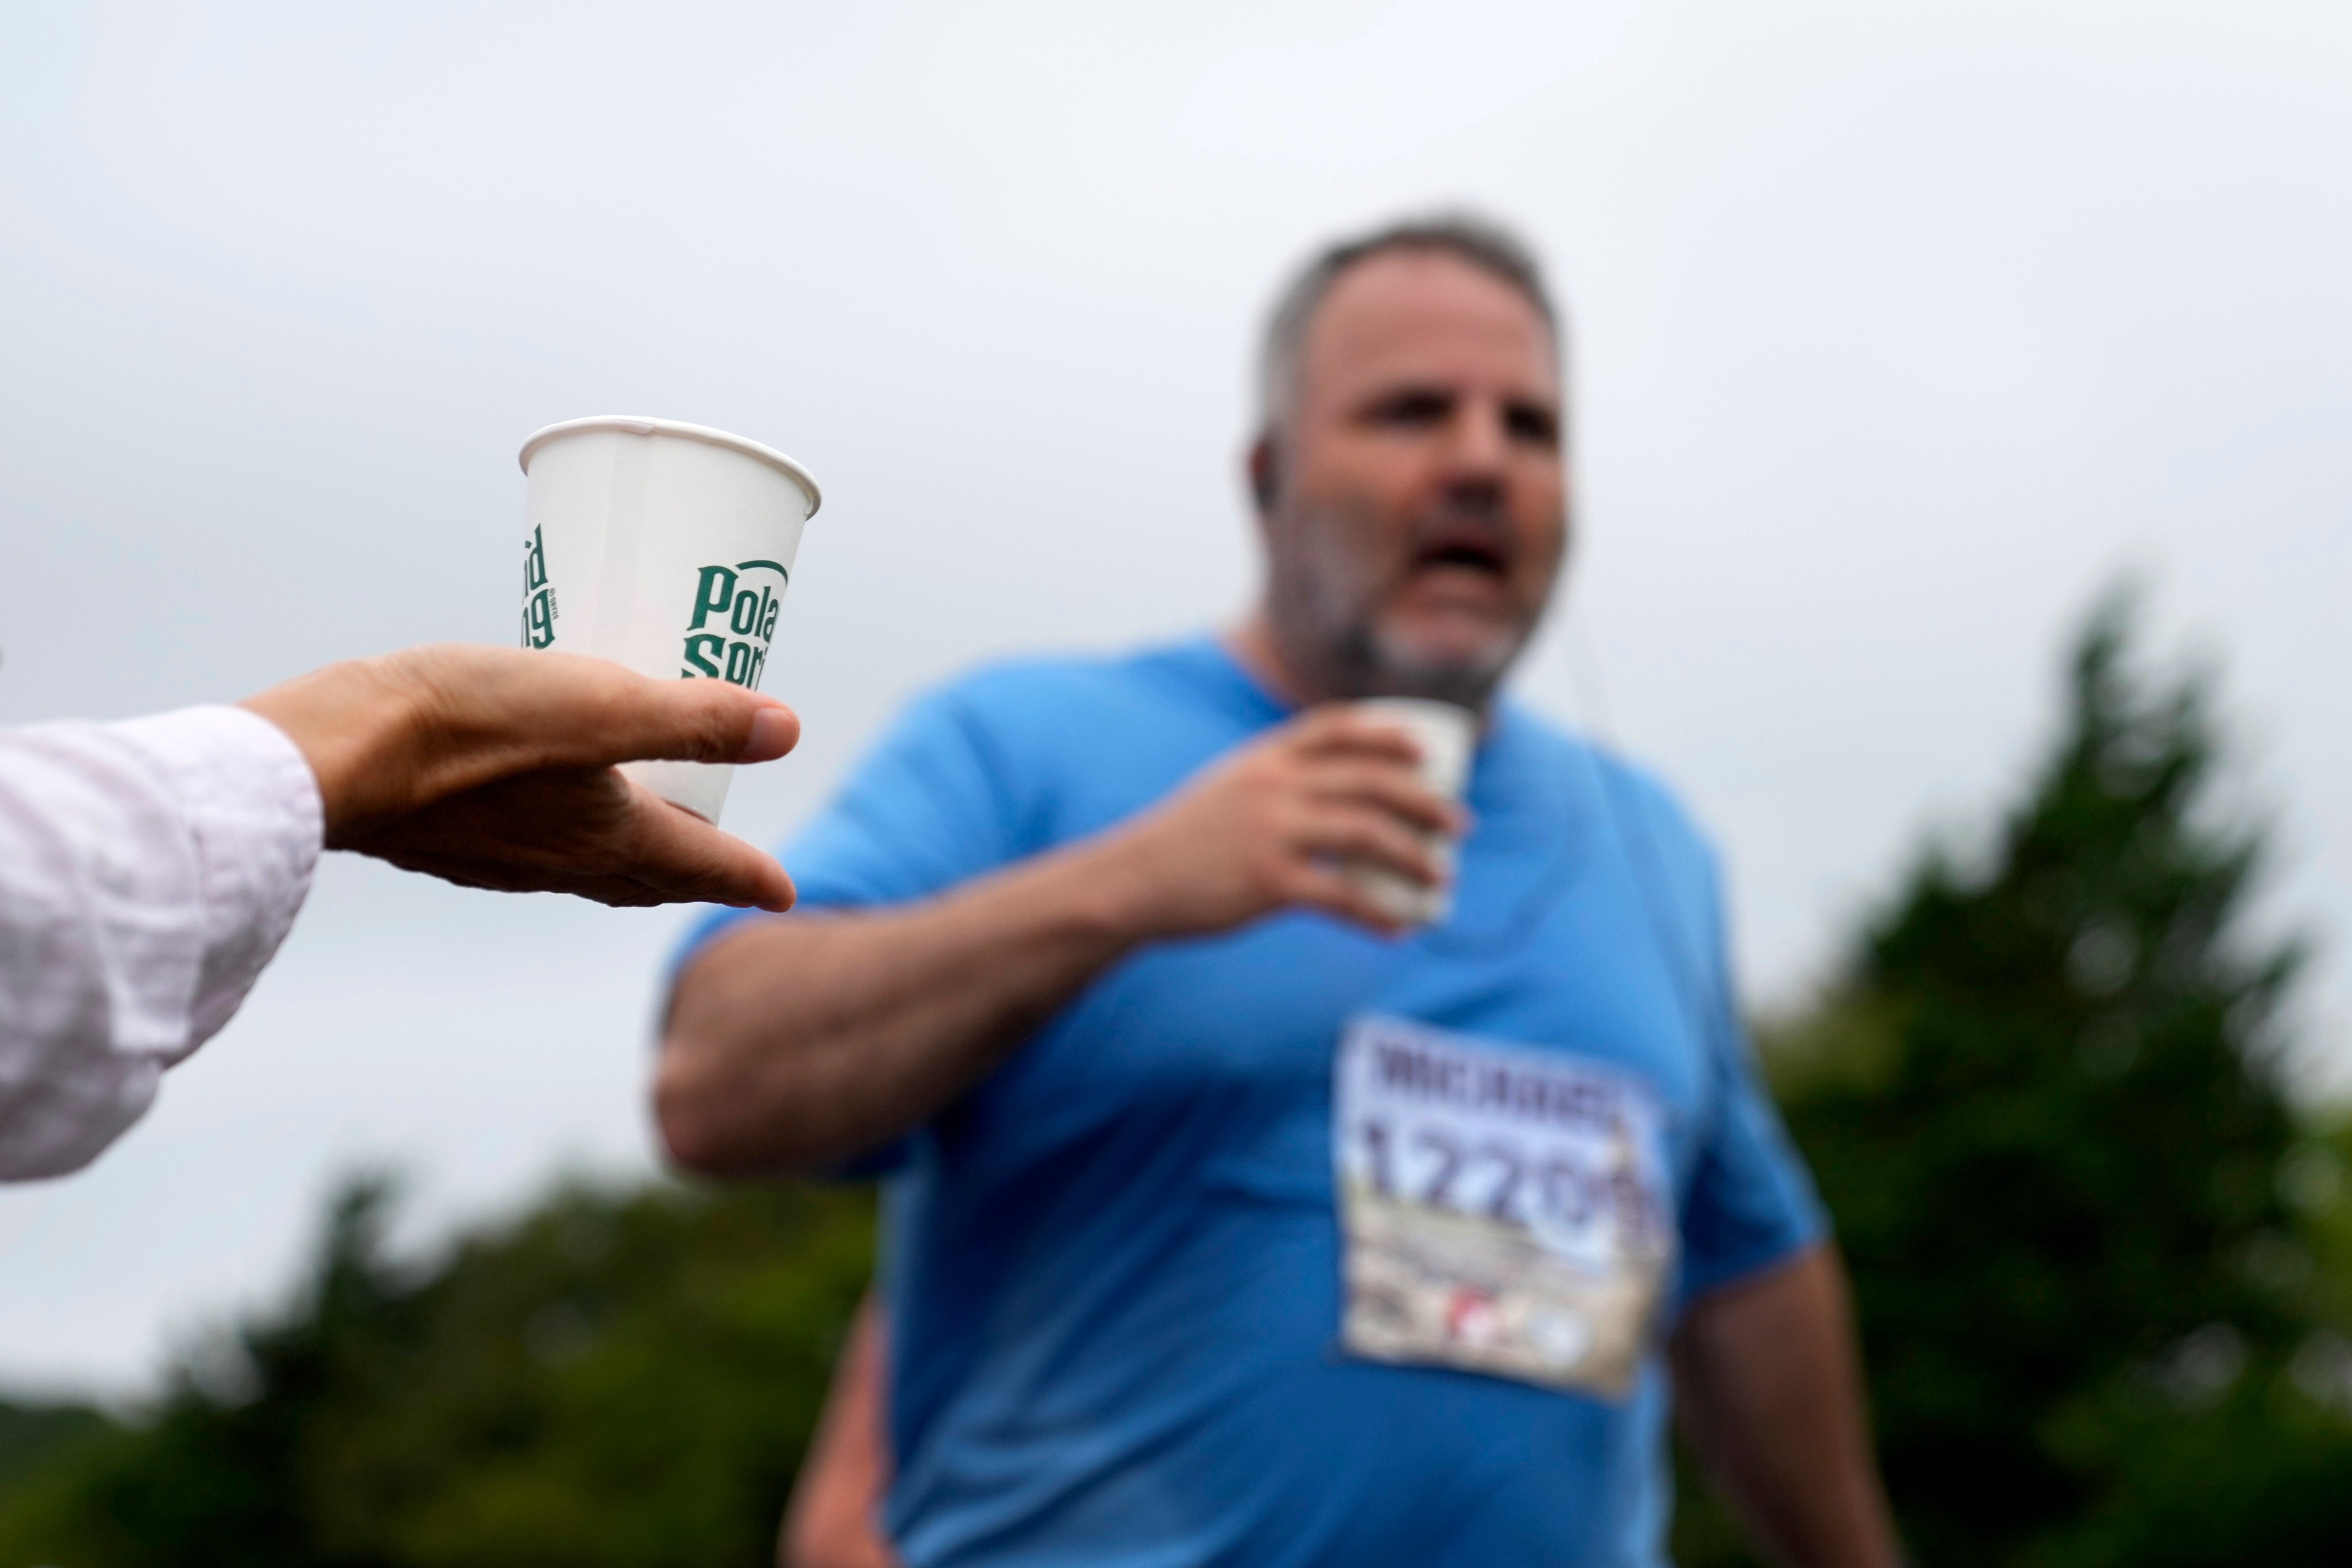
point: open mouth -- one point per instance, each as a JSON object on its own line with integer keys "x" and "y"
{"x": 1478, "y": 553}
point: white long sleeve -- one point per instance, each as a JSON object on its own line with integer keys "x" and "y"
{"x": 148, "y": 870}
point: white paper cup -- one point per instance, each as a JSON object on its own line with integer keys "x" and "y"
{"x": 666, "y": 548}
{"x": 1445, "y": 733}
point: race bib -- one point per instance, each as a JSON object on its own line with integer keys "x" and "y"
{"x": 1502, "y": 1210}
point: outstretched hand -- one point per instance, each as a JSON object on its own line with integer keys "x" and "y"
{"x": 493, "y": 767}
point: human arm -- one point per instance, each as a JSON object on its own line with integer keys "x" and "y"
{"x": 1768, "y": 1392}
{"x": 149, "y": 869}
{"x": 801, "y": 1042}
{"x": 830, "y": 1521}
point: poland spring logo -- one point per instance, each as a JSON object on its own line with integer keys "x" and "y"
{"x": 739, "y": 604}
{"x": 538, "y": 595}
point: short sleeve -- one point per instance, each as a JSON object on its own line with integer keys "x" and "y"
{"x": 1748, "y": 1202}
{"x": 1751, "y": 1202}
{"x": 931, "y": 805}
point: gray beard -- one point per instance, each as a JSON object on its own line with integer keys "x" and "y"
{"x": 1375, "y": 667}
{"x": 1320, "y": 600}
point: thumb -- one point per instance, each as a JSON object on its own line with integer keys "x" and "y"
{"x": 701, "y": 721}
{"x": 494, "y": 711}
{"x": 473, "y": 715}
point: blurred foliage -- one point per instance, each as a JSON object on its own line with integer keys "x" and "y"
{"x": 621, "y": 1378}
{"x": 34, "y": 1437}
{"x": 2101, "y": 1275}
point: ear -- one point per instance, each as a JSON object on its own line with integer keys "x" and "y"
{"x": 1264, "y": 472}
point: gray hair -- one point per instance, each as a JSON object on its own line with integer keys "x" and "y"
{"x": 1484, "y": 244}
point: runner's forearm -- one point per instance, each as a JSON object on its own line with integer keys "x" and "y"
{"x": 800, "y": 1042}
{"x": 1769, "y": 1393}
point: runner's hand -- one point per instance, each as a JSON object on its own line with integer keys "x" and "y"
{"x": 492, "y": 767}
{"x": 1270, "y": 827}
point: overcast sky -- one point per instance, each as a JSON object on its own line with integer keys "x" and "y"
{"x": 1898, "y": 333}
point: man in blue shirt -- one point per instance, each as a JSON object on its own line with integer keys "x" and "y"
{"x": 1228, "y": 1223}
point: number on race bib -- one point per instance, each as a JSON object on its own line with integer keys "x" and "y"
{"x": 1504, "y": 1208}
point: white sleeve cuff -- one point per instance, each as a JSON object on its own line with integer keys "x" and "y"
{"x": 252, "y": 809}
{"x": 148, "y": 870}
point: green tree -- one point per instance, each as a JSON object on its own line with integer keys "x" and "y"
{"x": 623, "y": 1378}
{"x": 34, "y": 1437}
{"x": 2044, "y": 1105}
{"x": 2105, "y": 1279}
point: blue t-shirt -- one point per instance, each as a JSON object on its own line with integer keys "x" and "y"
{"x": 1113, "y": 1270}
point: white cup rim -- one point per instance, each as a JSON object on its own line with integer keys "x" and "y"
{"x": 638, "y": 425}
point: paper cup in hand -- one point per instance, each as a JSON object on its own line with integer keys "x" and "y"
{"x": 665, "y": 548}
{"x": 1444, "y": 733}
